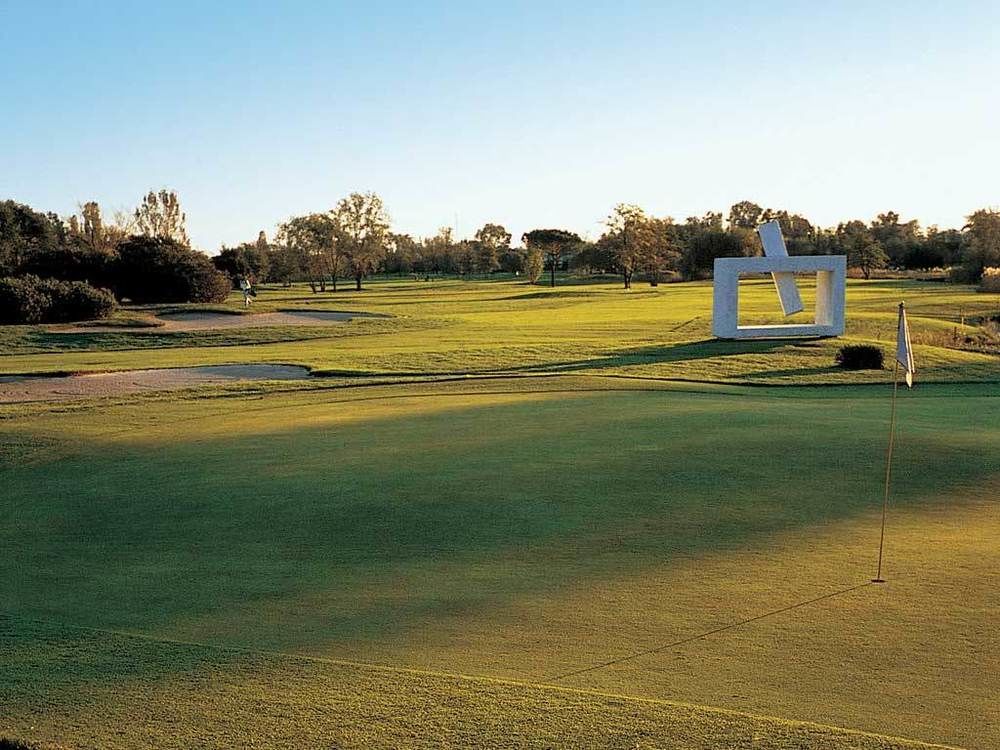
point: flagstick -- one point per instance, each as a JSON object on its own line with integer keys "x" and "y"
{"x": 888, "y": 469}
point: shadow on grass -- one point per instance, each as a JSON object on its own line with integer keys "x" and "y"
{"x": 660, "y": 354}
{"x": 309, "y": 535}
{"x": 792, "y": 372}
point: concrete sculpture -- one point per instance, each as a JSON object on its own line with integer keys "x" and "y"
{"x": 831, "y": 275}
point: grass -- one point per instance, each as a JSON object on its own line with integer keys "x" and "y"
{"x": 383, "y": 707}
{"x": 452, "y": 327}
{"x": 603, "y": 538}
{"x": 516, "y": 530}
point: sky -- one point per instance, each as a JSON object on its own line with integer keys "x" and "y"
{"x": 529, "y": 114}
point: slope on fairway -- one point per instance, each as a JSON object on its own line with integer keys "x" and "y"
{"x": 479, "y": 529}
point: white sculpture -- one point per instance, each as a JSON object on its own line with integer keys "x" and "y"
{"x": 831, "y": 275}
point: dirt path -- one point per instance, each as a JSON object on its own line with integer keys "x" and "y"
{"x": 22, "y": 388}
{"x": 204, "y": 321}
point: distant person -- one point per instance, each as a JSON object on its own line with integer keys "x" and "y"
{"x": 247, "y": 288}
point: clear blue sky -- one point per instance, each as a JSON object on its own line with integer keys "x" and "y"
{"x": 529, "y": 114}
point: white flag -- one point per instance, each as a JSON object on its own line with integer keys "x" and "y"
{"x": 904, "y": 351}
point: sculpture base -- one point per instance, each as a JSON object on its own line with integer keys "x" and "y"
{"x": 805, "y": 330}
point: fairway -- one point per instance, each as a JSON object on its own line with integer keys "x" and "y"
{"x": 507, "y": 542}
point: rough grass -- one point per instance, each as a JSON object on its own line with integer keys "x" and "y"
{"x": 519, "y": 530}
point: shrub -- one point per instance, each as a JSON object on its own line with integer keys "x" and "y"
{"x": 990, "y": 281}
{"x": 963, "y": 275}
{"x": 75, "y": 300}
{"x": 29, "y": 299}
{"x": 860, "y": 357}
{"x": 23, "y": 300}
{"x": 151, "y": 269}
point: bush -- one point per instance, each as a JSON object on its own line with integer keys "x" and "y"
{"x": 860, "y": 357}
{"x": 990, "y": 281}
{"x": 963, "y": 275}
{"x": 151, "y": 269}
{"x": 29, "y": 299}
{"x": 22, "y": 300}
{"x": 75, "y": 300}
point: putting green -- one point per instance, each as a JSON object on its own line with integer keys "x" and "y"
{"x": 519, "y": 529}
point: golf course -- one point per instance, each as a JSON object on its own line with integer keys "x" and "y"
{"x": 488, "y": 513}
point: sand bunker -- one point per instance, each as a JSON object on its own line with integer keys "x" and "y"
{"x": 205, "y": 321}
{"x": 22, "y": 388}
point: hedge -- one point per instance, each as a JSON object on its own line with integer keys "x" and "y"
{"x": 30, "y": 299}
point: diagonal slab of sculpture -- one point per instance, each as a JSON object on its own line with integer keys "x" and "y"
{"x": 831, "y": 276}
{"x": 774, "y": 247}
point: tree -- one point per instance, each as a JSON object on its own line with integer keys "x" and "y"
{"x": 160, "y": 216}
{"x": 940, "y": 249}
{"x": 897, "y": 240}
{"x": 249, "y": 260}
{"x": 312, "y": 243}
{"x": 745, "y": 215}
{"x": 800, "y": 235}
{"x": 867, "y": 254}
{"x": 982, "y": 247}
{"x": 511, "y": 261}
{"x": 700, "y": 241}
{"x": 595, "y": 257}
{"x": 285, "y": 264}
{"x": 533, "y": 263}
{"x": 438, "y": 252}
{"x": 493, "y": 240}
{"x": 72, "y": 260}
{"x": 465, "y": 256}
{"x": 637, "y": 242}
{"x": 402, "y": 254}
{"x": 23, "y": 232}
{"x": 363, "y": 231}
{"x": 154, "y": 269}
{"x": 747, "y": 240}
{"x": 862, "y": 249}
{"x": 91, "y": 226}
{"x": 662, "y": 252}
{"x": 553, "y": 243}
{"x": 627, "y": 239}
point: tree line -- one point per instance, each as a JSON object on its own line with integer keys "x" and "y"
{"x": 144, "y": 255}
{"x": 354, "y": 240}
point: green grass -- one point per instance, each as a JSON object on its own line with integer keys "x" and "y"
{"x": 452, "y": 327}
{"x": 383, "y": 707}
{"x": 511, "y": 529}
{"x": 498, "y": 487}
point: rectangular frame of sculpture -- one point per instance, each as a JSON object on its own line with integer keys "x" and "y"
{"x": 831, "y": 276}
